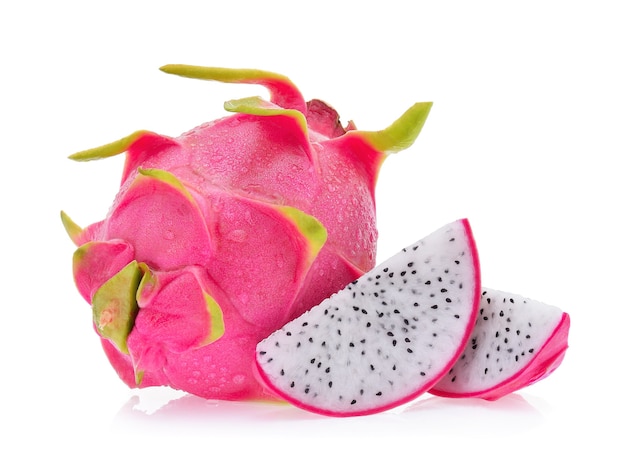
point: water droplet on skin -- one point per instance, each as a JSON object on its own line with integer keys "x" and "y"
{"x": 280, "y": 262}
{"x": 237, "y": 235}
{"x": 168, "y": 235}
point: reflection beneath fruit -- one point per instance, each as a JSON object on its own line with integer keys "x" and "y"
{"x": 163, "y": 411}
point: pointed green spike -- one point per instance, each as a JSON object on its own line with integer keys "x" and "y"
{"x": 311, "y": 228}
{"x": 256, "y": 106}
{"x": 72, "y": 229}
{"x": 139, "y": 377}
{"x": 167, "y": 178}
{"x": 111, "y": 149}
{"x": 115, "y": 305}
{"x": 401, "y": 134}
{"x": 284, "y": 92}
{"x": 217, "y": 319}
{"x": 225, "y": 75}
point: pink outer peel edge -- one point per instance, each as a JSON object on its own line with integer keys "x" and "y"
{"x": 543, "y": 364}
{"x": 272, "y": 390}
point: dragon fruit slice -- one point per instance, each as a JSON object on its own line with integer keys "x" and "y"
{"x": 220, "y": 236}
{"x": 386, "y": 337}
{"x": 516, "y": 342}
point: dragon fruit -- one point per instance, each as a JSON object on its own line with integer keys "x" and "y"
{"x": 516, "y": 342}
{"x": 386, "y": 337}
{"x": 220, "y": 236}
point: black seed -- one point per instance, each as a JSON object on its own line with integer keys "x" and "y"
{"x": 423, "y": 374}
{"x": 372, "y": 366}
{"x": 486, "y": 369}
{"x": 379, "y": 394}
{"x": 355, "y": 308}
{"x": 327, "y": 370}
{"x": 306, "y": 390}
{"x": 282, "y": 372}
{"x": 292, "y": 384}
{"x": 351, "y": 344}
{"x": 262, "y": 353}
{"x": 330, "y": 384}
{"x": 531, "y": 350}
{"x": 409, "y": 350}
{"x": 434, "y": 307}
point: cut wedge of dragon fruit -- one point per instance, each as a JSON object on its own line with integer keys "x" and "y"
{"x": 516, "y": 342}
{"x": 385, "y": 338}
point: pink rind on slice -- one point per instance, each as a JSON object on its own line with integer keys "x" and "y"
{"x": 418, "y": 384}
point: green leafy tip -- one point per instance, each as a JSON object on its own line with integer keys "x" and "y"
{"x": 110, "y": 149}
{"x": 258, "y": 107}
{"x": 225, "y": 75}
{"x": 217, "y": 319}
{"x": 401, "y": 134}
{"x": 115, "y": 305}
{"x": 312, "y": 229}
{"x": 72, "y": 228}
{"x": 282, "y": 90}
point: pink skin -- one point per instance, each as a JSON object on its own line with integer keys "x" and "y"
{"x": 547, "y": 359}
{"x": 210, "y": 222}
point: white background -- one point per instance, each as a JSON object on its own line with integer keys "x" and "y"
{"x": 526, "y": 138}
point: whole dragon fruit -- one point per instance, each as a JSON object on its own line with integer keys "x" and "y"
{"x": 221, "y": 236}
